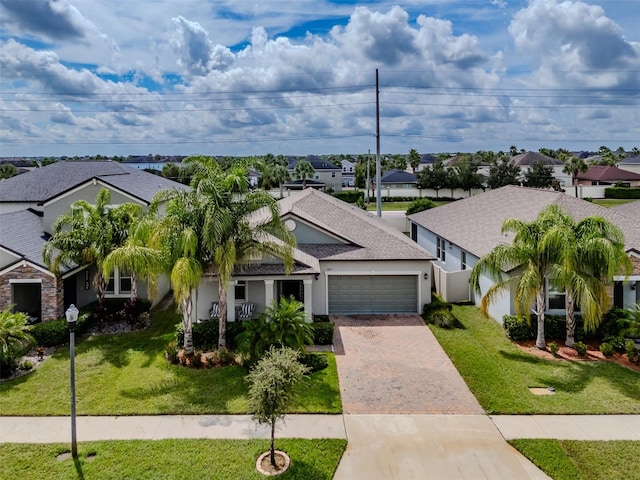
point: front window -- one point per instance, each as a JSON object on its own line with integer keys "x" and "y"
{"x": 241, "y": 290}
{"x": 555, "y": 298}
{"x": 119, "y": 283}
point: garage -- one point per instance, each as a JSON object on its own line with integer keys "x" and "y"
{"x": 373, "y": 293}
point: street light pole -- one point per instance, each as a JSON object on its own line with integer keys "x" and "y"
{"x": 72, "y": 317}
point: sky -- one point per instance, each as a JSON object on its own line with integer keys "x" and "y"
{"x": 240, "y": 78}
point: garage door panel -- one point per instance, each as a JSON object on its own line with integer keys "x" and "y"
{"x": 372, "y": 293}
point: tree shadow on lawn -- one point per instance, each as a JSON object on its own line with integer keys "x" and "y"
{"x": 577, "y": 375}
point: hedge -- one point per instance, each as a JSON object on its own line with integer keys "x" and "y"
{"x": 56, "y": 332}
{"x": 350, "y": 196}
{"x": 322, "y": 333}
{"x": 205, "y": 334}
{"x": 622, "y": 192}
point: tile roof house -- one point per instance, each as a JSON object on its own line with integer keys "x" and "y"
{"x": 462, "y": 232}
{"x": 346, "y": 261}
{"x": 31, "y": 202}
{"x": 527, "y": 159}
{"x": 608, "y": 175}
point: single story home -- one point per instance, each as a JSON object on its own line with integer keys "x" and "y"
{"x": 608, "y": 175}
{"x": 347, "y": 261}
{"x": 31, "y": 202}
{"x": 398, "y": 179}
{"x": 460, "y": 233}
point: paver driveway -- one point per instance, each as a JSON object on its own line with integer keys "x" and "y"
{"x": 394, "y": 364}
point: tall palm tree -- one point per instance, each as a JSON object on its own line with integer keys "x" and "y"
{"x": 303, "y": 170}
{"x": 238, "y": 225}
{"x": 87, "y": 234}
{"x": 591, "y": 252}
{"x": 281, "y": 175}
{"x": 573, "y": 166}
{"x": 528, "y": 261}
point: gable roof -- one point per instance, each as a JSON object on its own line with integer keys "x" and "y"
{"x": 398, "y": 176}
{"x": 316, "y": 162}
{"x": 365, "y": 236}
{"x": 630, "y": 209}
{"x": 529, "y": 158}
{"x": 48, "y": 182}
{"x": 607, "y": 173}
{"x": 427, "y": 159}
{"x": 23, "y": 234}
{"x": 474, "y": 223}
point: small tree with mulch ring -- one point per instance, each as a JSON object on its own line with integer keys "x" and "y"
{"x": 270, "y": 390}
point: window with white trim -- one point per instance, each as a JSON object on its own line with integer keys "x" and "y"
{"x": 555, "y": 298}
{"x": 463, "y": 260}
{"x": 119, "y": 283}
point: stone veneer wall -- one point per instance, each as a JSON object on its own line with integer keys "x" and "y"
{"x": 50, "y": 290}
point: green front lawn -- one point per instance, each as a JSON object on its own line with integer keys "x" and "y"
{"x": 499, "y": 374}
{"x": 128, "y": 375}
{"x": 582, "y": 460}
{"x": 170, "y": 459}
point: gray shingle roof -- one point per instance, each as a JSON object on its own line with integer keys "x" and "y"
{"x": 398, "y": 176}
{"x": 376, "y": 239}
{"x": 474, "y": 223}
{"x": 45, "y": 183}
{"x": 22, "y": 233}
{"x": 631, "y": 209}
{"x": 529, "y": 158}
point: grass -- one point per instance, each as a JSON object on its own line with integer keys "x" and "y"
{"x": 399, "y": 206}
{"x": 499, "y": 374}
{"x": 128, "y": 375}
{"x": 170, "y": 459}
{"x": 583, "y": 460}
{"x": 612, "y": 202}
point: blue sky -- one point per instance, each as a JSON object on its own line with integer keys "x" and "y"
{"x": 235, "y": 77}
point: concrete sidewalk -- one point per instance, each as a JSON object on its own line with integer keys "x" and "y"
{"x": 569, "y": 427}
{"x": 157, "y": 427}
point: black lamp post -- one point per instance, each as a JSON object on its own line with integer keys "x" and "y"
{"x": 72, "y": 317}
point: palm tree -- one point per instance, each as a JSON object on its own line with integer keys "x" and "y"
{"x": 238, "y": 225}
{"x": 590, "y": 253}
{"x": 14, "y": 336}
{"x": 527, "y": 259}
{"x": 280, "y": 174}
{"x": 414, "y": 159}
{"x": 303, "y": 170}
{"x": 87, "y": 234}
{"x": 573, "y": 166}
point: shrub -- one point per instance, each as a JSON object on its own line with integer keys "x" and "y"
{"x": 314, "y": 361}
{"x": 205, "y": 334}
{"x": 442, "y": 318}
{"x": 14, "y": 339}
{"x": 419, "y": 205}
{"x": 51, "y": 334}
{"x": 631, "y": 350}
{"x": 581, "y": 348}
{"x": 321, "y": 319}
{"x": 323, "y": 333}
{"x": 26, "y": 365}
{"x": 233, "y": 330}
{"x": 606, "y": 349}
{"x": 518, "y": 327}
{"x": 195, "y": 359}
{"x": 222, "y": 357}
{"x": 171, "y": 351}
{"x": 617, "y": 343}
{"x": 554, "y": 348}
{"x": 436, "y": 304}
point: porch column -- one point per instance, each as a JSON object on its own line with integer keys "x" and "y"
{"x": 308, "y": 299}
{"x": 231, "y": 301}
{"x": 268, "y": 292}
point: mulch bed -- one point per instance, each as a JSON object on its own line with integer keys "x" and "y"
{"x": 569, "y": 354}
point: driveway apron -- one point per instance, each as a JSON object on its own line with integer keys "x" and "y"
{"x": 394, "y": 364}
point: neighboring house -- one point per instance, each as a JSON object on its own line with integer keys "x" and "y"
{"x": 326, "y": 172}
{"x": 29, "y": 206}
{"x": 347, "y": 261}
{"x": 462, "y": 232}
{"x": 426, "y": 160}
{"x": 348, "y": 168}
{"x": 527, "y": 159}
{"x": 398, "y": 179}
{"x": 147, "y": 162}
{"x": 631, "y": 164}
{"x": 608, "y": 175}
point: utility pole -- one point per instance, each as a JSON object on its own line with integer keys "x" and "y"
{"x": 378, "y": 190}
{"x": 366, "y": 194}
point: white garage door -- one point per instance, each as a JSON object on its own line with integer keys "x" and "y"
{"x": 373, "y": 293}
